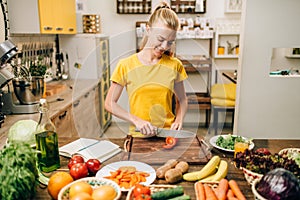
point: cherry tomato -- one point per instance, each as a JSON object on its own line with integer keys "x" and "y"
{"x": 93, "y": 166}
{"x": 140, "y": 189}
{"x": 75, "y": 159}
{"x": 170, "y": 142}
{"x": 79, "y": 170}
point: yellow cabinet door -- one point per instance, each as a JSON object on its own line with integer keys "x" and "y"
{"x": 46, "y": 12}
{"x": 65, "y": 17}
{"x": 57, "y": 16}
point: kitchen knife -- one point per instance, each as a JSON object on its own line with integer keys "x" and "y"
{"x": 161, "y": 132}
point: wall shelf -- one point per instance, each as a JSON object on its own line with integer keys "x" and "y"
{"x": 224, "y": 39}
{"x": 134, "y": 6}
{"x": 189, "y": 6}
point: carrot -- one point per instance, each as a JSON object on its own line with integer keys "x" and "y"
{"x": 232, "y": 198}
{"x": 230, "y": 194}
{"x": 209, "y": 193}
{"x": 236, "y": 190}
{"x": 200, "y": 192}
{"x": 222, "y": 189}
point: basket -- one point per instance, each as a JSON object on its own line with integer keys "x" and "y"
{"x": 153, "y": 188}
{"x": 212, "y": 184}
{"x": 257, "y": 196}
{"x": 251, "y": 176}
{"x": 94, "y": 182}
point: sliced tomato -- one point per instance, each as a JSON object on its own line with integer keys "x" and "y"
{"x": 170, "y": 142}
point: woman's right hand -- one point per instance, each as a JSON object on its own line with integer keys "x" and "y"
{"x": 146, "y": 128}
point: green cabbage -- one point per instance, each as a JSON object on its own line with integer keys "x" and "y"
{"x": 23, "y": 131}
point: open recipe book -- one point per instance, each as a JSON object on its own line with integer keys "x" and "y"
{"x": 90, "y": 148}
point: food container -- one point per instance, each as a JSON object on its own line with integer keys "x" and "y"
{"x": 257, "y": 196}
{"x": 287, "y": 151}
{"x": 94, "y": 182}
{"x": 251, "y": 176}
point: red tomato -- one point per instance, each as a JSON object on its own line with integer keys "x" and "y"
{"x": 170, "y": 142}
{"x": 93, "y": 166}
{"x": 140, "y": 189}
{"x": 75, "y": 159}
{"x": 264, "y": 151}
{"x": 79, "y": 170}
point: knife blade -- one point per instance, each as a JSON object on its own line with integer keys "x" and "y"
{"x": 161, "y": 132}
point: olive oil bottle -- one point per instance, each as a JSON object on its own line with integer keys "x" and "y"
{"x": 46, "y": 140}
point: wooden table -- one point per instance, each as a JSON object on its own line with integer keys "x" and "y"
{"x": 141, "y": 150}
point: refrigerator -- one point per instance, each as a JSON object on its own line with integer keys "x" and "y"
{"x": 88, "y": 58}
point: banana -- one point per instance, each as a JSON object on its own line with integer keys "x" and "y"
{"x": 207, "y": 170}
{"x": 221, "y": 173}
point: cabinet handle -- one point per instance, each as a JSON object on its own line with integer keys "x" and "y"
{"x": 47, "y": 28}
{"x": 76, "y": 103}
{"x": 71, "y": 29}
{"x": 86, "y": 95}
{"x": 59, "y": 28}
{"x": 62, "y": 115}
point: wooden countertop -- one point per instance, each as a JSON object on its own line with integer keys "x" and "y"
{"x": 233, "y": 173}
{"x": 74, "y": 89}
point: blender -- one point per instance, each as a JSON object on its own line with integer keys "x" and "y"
{"x": 19, "y": 96}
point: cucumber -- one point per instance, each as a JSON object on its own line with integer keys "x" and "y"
{"x": 183, "y": 197}
{"x": 168, "y": 193}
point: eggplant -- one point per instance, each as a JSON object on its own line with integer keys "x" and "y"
{"x": 279, "y": 184}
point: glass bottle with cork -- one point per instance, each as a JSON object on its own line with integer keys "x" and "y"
{"x": 46, "y": 140}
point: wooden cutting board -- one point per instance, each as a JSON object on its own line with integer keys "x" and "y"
{"x": 151, "y": 151}
{"x": 54, "y": 89}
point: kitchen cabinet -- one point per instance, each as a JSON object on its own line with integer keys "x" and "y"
{"x": 42, "y": 16}
{"x": 64, "y": 123}
{"x": 86, "y": 114}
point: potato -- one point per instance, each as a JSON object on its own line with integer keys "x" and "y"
{"x": 172, "y": 162}
{"x": 182, "y": 166}
{"x": 173, "y": 175}
{"x": 160, "y": 172}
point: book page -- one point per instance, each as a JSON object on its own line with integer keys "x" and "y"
{"x": 69, "y": 149}
{"x": 90, "y": 148}
{"x": 100, "y": 150}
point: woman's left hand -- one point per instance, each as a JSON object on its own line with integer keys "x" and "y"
{"x": 176, "y": 126}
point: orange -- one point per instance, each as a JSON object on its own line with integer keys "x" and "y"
{"x": 57, "y": 181}
{"x": 82, "y": 196}
{"x": 80, "y": 187}
{"x": 104, "y": 192}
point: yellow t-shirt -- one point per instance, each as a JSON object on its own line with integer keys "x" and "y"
{"x": 150, "y": 88}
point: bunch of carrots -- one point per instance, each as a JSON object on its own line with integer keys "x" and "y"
{"x": 226, "y": 190}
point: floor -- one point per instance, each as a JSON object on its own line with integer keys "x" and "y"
{"x": 120, "y": 129}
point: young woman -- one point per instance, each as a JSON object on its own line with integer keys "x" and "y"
{"x": 151, "y": 77}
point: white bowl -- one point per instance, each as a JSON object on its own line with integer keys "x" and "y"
{"x": 251, "y": 176}
{"x": 257, "y": 196}
{"x": 94, "y": 182}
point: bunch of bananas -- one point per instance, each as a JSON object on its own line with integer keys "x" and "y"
{"x": 214, "y": 170}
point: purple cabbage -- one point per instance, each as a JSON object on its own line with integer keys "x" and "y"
{"x": 279, "y": 184}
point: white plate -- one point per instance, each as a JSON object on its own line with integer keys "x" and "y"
{"x": 213, "y": 141}
{"x": 105, "y": 171}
